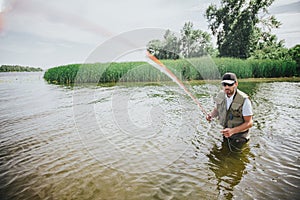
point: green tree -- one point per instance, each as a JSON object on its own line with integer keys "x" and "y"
{"x": 168, "y": 48}
{"x": 295, "y": 54}
{"x": 194, "y": 42}
{"x": 236, "y": 24}
{"x": 191, "y": 43}
{"x": 171, "y": 45}
{"x": 155, "y": 47}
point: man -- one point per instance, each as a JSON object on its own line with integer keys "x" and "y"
{"x": 234, "y": 111}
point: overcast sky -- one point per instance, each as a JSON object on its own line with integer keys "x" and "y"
{"x": 45, "y": 34}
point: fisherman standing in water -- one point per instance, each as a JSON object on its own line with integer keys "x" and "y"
{"x": 234, "y": 111}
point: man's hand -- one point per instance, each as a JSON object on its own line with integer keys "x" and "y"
{"x": 209, "y": 117}
{"x": 227, "y": 132}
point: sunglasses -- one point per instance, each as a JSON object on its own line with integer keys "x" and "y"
{"x": 224, "y": 84}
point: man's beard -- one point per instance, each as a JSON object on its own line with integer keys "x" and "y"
{"x": 229, "y": 92}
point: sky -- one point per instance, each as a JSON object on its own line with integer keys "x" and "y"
{"x": 45, "y": 34}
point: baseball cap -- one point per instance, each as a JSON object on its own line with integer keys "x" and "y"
{"x": 229, "y": 78}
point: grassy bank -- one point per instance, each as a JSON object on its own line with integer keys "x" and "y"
{"x": 192, "y": 69}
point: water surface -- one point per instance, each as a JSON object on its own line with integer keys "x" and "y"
{"x": 142, "y": 142}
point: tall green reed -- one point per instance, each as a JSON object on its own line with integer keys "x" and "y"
{"x": 189, "y": 69}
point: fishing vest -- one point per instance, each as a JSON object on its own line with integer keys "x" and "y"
{"x": 234, "y": 115}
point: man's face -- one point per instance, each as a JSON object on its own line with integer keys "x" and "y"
{"x": 230, "y": 89}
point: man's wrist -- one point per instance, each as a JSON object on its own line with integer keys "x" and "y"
{"x": 212, "y": 115}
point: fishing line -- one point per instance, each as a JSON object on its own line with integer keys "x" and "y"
{"x": 238, "y": 150}
{"x": 161, "y": 67}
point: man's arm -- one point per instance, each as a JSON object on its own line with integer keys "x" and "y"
{"x": 213, "y": 114}
{"x": 227, "y": 132}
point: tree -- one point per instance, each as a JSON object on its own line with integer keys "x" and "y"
{"x": 156, "y": 48}
{"x": 194, "y": 43}
{"x": 166, "y": 49}
{"x": 295, "y": 54}
{"x": 237, "y": 25}
{"x": 191, "y": 43}
{"x": 171, "y": 45}
{"x": 268, "y": 47}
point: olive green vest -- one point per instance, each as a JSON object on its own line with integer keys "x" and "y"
{"x": 234, "y": 116}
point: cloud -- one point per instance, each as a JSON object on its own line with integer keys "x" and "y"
{"x": 65, "y": 31}
{"x": 58, "y": 24}
{"x": 41, "y": 19}
{"x": 293, "y": 7}
{"x": 288, "y": 13}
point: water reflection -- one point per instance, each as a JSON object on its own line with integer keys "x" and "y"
{"x": 249, "y": 88}
{"x": 228, "y": 165}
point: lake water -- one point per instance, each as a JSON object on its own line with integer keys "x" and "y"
{"x": 142, "y": 142}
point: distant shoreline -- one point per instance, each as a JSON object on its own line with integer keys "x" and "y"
{"x": 18, "y": 68}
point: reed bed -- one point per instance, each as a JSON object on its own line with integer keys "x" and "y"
{"x": 185, "y": 69}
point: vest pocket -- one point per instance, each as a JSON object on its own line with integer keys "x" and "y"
{"x": 236, "y": 110}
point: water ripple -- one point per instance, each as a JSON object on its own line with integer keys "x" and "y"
{"x": 53, "y": 146}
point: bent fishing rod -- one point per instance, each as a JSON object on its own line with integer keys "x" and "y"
{"x": 171, "y": 75}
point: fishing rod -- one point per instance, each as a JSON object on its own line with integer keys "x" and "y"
{"x": 170, "y": 74}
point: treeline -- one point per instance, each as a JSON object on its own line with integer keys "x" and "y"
{"x": 17, "y": 68}
{"x": 243, "y": 29}
{"x": 184, "y": 69}
{"x": 195, "y": 43}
